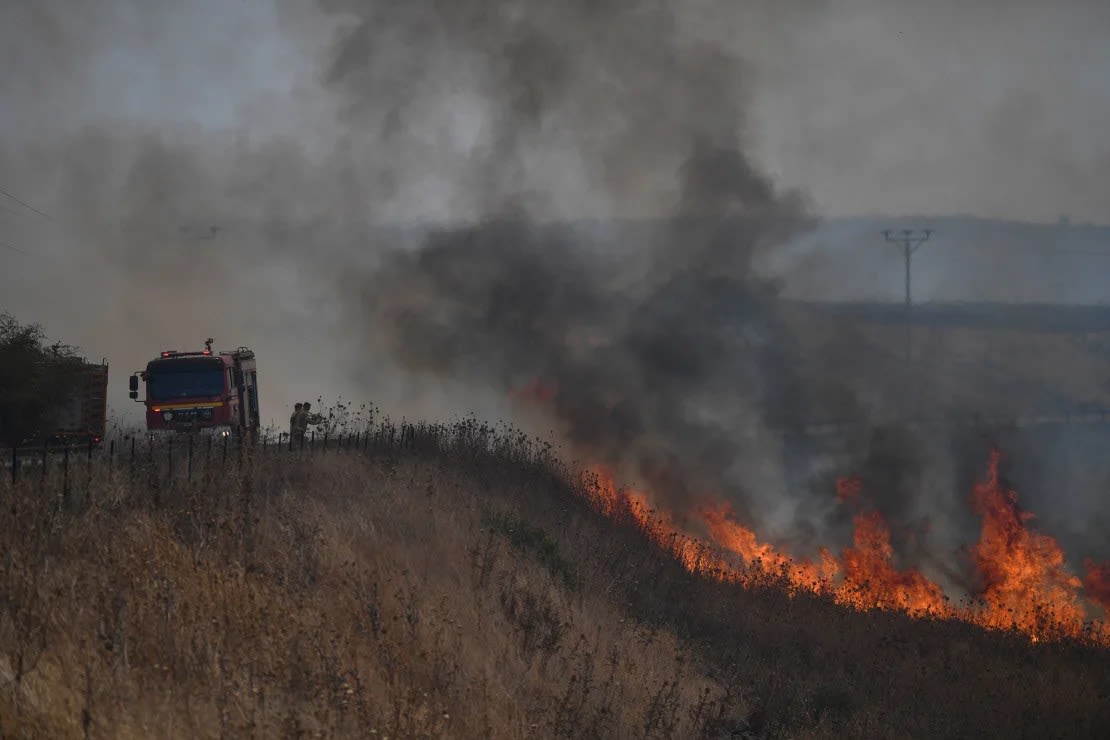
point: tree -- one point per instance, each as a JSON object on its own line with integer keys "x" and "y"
{"x": 34, "y": 377}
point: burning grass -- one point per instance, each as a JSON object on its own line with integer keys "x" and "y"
{"x": 1025, "y": 584}
{"x": 458, "y": 582}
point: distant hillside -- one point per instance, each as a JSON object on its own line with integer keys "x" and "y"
{"x": 967, "y": 259}
{"x": 1034, "y": 318}
{"x": 975, "y": 359}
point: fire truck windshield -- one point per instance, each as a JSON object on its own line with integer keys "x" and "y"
{"x": 170, "y": 380}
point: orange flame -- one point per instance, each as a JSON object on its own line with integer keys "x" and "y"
{"x": 1025, "y": 583}
{"x": 632, "y": 506}
{"x": 535, "y": 392}
{"x": 848, "y": 490}
{"x": 872, "y": 581}
{"x": 762, "y": 558}
{"x": 1098, "y": 582}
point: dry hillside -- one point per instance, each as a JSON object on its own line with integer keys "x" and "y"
{"x": 450, "y": 583}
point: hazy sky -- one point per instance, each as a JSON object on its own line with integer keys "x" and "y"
{"x": 997, "y": 109}
{"x": 992, "y": 108}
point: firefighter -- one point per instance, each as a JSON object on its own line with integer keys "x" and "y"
{"x": 293, "y": 421}
{"x": 302, "y": 418}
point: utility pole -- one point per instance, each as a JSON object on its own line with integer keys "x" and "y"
{"x": 909, "y": 240}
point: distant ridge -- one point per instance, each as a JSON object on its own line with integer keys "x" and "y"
{"x": 1041, "y": 317}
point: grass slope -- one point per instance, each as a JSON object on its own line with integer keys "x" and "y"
{"x": 853, "y": 369}
{"x": 454, "y": 585}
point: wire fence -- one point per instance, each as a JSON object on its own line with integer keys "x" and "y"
{"x": 182, "y": 456}
{"x": 164, "y": 466}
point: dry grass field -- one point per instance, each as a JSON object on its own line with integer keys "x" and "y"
{"x": 852, "y": 368}
{"x": 451, "y": 582}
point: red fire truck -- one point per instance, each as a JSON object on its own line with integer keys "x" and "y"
{"x": 205, "y": 390}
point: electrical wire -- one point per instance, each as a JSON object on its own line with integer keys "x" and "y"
{"x": 26, "y": 205}
{"x": 14, "y": 248}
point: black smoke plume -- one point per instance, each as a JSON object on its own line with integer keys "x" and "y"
{"x": 660, "y": 350}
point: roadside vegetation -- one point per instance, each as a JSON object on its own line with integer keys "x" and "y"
{"x": 34, "y": 373}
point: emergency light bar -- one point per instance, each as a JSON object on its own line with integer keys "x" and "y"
{"x": 174, "y": 353}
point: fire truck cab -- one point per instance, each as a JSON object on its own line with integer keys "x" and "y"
{"x": 200, "y": 391}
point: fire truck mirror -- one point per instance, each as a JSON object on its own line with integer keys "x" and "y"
{"x": 133, "y": 385}
{"x": 238, "y": 378}
{"x": 134, "y": 395}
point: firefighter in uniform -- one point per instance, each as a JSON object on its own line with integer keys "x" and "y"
{"x": 302, "y": 419}
{"x": 293, "y": 421}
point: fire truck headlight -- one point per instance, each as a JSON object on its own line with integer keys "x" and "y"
{"x": 167, "y": 416}
{"x": 205, "y": 414}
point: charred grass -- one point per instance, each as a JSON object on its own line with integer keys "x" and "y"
{"x": 453, "y": 582}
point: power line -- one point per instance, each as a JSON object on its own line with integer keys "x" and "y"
{"x": 46, "y": 256}
{"x": 13, "y": 248}
{"x": 26, "y": 205}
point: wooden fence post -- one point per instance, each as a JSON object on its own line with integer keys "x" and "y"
{"x": 65, "y": 473}
{"x": 88, "y": 473}
{"x": 45, "y": 457}
{"x": 152, "y": 471}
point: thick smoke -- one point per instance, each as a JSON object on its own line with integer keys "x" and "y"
{"x": 562, "y": 110}
{"x": 668, "y": 362}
